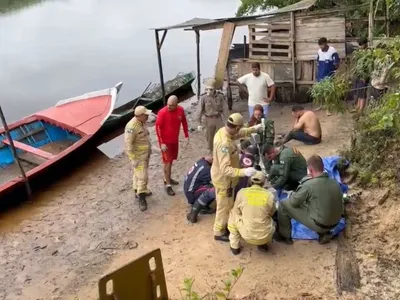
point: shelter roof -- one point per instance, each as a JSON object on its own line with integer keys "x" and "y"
{"x": 202, "y": 23}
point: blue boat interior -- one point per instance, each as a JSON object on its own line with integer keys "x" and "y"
{"x": 35, "y": 142}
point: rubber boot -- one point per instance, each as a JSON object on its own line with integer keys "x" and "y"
{"x": 263, "y": 248}
{"x": 235, "y": 251}
{"x": 222, "y": 238}
{"x": 148, "y": 194}
{"x": 324, "y": 238}
{"x": 194, "y": 212}
{"x": 281, "y": 239}
{"x": 142, "y": 202}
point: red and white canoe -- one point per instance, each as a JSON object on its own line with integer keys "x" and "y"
{"x": 49, "y": 136}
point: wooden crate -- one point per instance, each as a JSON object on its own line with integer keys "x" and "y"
{"x": 270, "y": 41}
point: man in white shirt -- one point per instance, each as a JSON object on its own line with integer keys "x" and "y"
{"x": 258, "y": 83}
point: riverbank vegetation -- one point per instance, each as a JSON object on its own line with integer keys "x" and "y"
{"x": 375, "y": 147}
{"x": 249, "y": 7}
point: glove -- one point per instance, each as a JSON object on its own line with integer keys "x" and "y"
{"x": 249, "y": 171}
{"x": 199, "y": 128}
{"x": 258, "y": 127}
{"x": 164, "y": 147}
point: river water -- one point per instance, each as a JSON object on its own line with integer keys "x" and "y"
{"x": 62, "y": 48}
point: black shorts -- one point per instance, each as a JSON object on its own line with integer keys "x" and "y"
{"x": 360, "y": 89}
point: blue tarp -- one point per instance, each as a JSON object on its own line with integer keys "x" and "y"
{"x": 301, "y": 232}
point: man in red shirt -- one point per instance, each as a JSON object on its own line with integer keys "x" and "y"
{"x": 168, "y": 124}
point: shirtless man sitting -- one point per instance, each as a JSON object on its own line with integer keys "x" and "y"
{"x": 306, "y": 128}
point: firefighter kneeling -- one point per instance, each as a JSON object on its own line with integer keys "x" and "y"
{"x": 251, "y": 216}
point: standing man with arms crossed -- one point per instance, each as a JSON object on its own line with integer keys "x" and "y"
{"x": 225, "y": 170}
{"x": 138, "y": 149}
{"x": 214, "y": 108}
{"x": 258, "y": 83}
{"x": 168, "y": 124}
{"x": 327, "y": 62}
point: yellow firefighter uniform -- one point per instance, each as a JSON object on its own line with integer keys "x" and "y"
{"x": 251, "y": 216}
{"x": 138, "y": 149}
{"x": 225, "y": 170}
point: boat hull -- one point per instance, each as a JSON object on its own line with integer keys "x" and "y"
{"x": 75, "y": 120}
{"x": 125, "y": 112}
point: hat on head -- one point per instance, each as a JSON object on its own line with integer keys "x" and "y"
{"x": 210, "y": 83}
{"x": 259, "y": 178}
{"x": 236, "y": 119}
{"x": 141, "y": 110}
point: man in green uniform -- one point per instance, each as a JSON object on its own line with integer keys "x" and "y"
{"x": 317, "y": 204}
{"x": 288, "y": 166}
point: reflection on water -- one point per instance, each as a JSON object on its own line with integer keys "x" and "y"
{"x": 61, "y": 49}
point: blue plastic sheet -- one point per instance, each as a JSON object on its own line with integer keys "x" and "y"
{"x": 301, "y": 232}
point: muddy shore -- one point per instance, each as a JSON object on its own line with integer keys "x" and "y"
{"x": 89, "y": 224}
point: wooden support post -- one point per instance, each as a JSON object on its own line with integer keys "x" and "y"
{"x": 387, "y": 19}
{"x": 371, "y": 23}
{"x": 14, "y": 152}
{"x": 198, "y": 64}
{"x": 228, "y": 88}
{"x": 223, "y": 55}
{"x": 160, "y": 68}
{"x": 244, "y": 46}
{"x": 293, "y": 37}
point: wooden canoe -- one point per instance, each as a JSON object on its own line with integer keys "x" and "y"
{"x": 180, "y": 86}
{"x": 48, "y": 137}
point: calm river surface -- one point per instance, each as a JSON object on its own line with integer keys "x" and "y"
{"x": 62, "y": 48}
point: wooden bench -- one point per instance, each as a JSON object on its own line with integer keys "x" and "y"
{"x": 29, "y": 149}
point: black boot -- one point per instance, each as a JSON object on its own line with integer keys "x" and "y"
{"x": 148, "y": 194}
{"x": 194, "y": 212}
{"x": 222, "y": 238}
{"x": 235, "y": 251}
{"x": 281, "y": 239}
{"x": 207, "y": 211}
{"x": 142, "y": 202}
{"x": 262, "y": 248}
{"x": 324, "y": 238}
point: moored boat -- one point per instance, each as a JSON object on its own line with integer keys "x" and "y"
{"x": 48, "y": 137}
{"x": 180, "y": 86}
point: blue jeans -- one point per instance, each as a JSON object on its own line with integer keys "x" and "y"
{"x": 302, "y": 137}
{"x": 265, "y": 107}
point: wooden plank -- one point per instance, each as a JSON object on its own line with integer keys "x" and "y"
{"x": 292, "y": 49}
{"x": 30, "y": 133}
{"x": 271, "y": 34}
{"x": 225, "y": 45}
{"x": 255, "y": 49}
{"x": 272, "y": 26}
{"x": 273, "y": 58}
{"x": 348, "y": 277}
{"x": 267, "y": 41}
{"x": 29, "y": 149}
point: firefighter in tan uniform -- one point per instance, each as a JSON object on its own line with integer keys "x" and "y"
{"x": 251, "y": 216}
{"x": 225, "y": 170}
{"x": 138, "y": 149}
{"x": 212, "y": 111}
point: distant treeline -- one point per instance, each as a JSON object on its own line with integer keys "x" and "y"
{"x": 7, "y": 6}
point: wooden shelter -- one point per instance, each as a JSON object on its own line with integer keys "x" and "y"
{"x": 283, "y": 41}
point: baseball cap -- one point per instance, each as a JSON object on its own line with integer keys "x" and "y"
{"x": 259, "y": 177}
{"x": 236, "y": 119}
{"x": 141, "y": 110}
